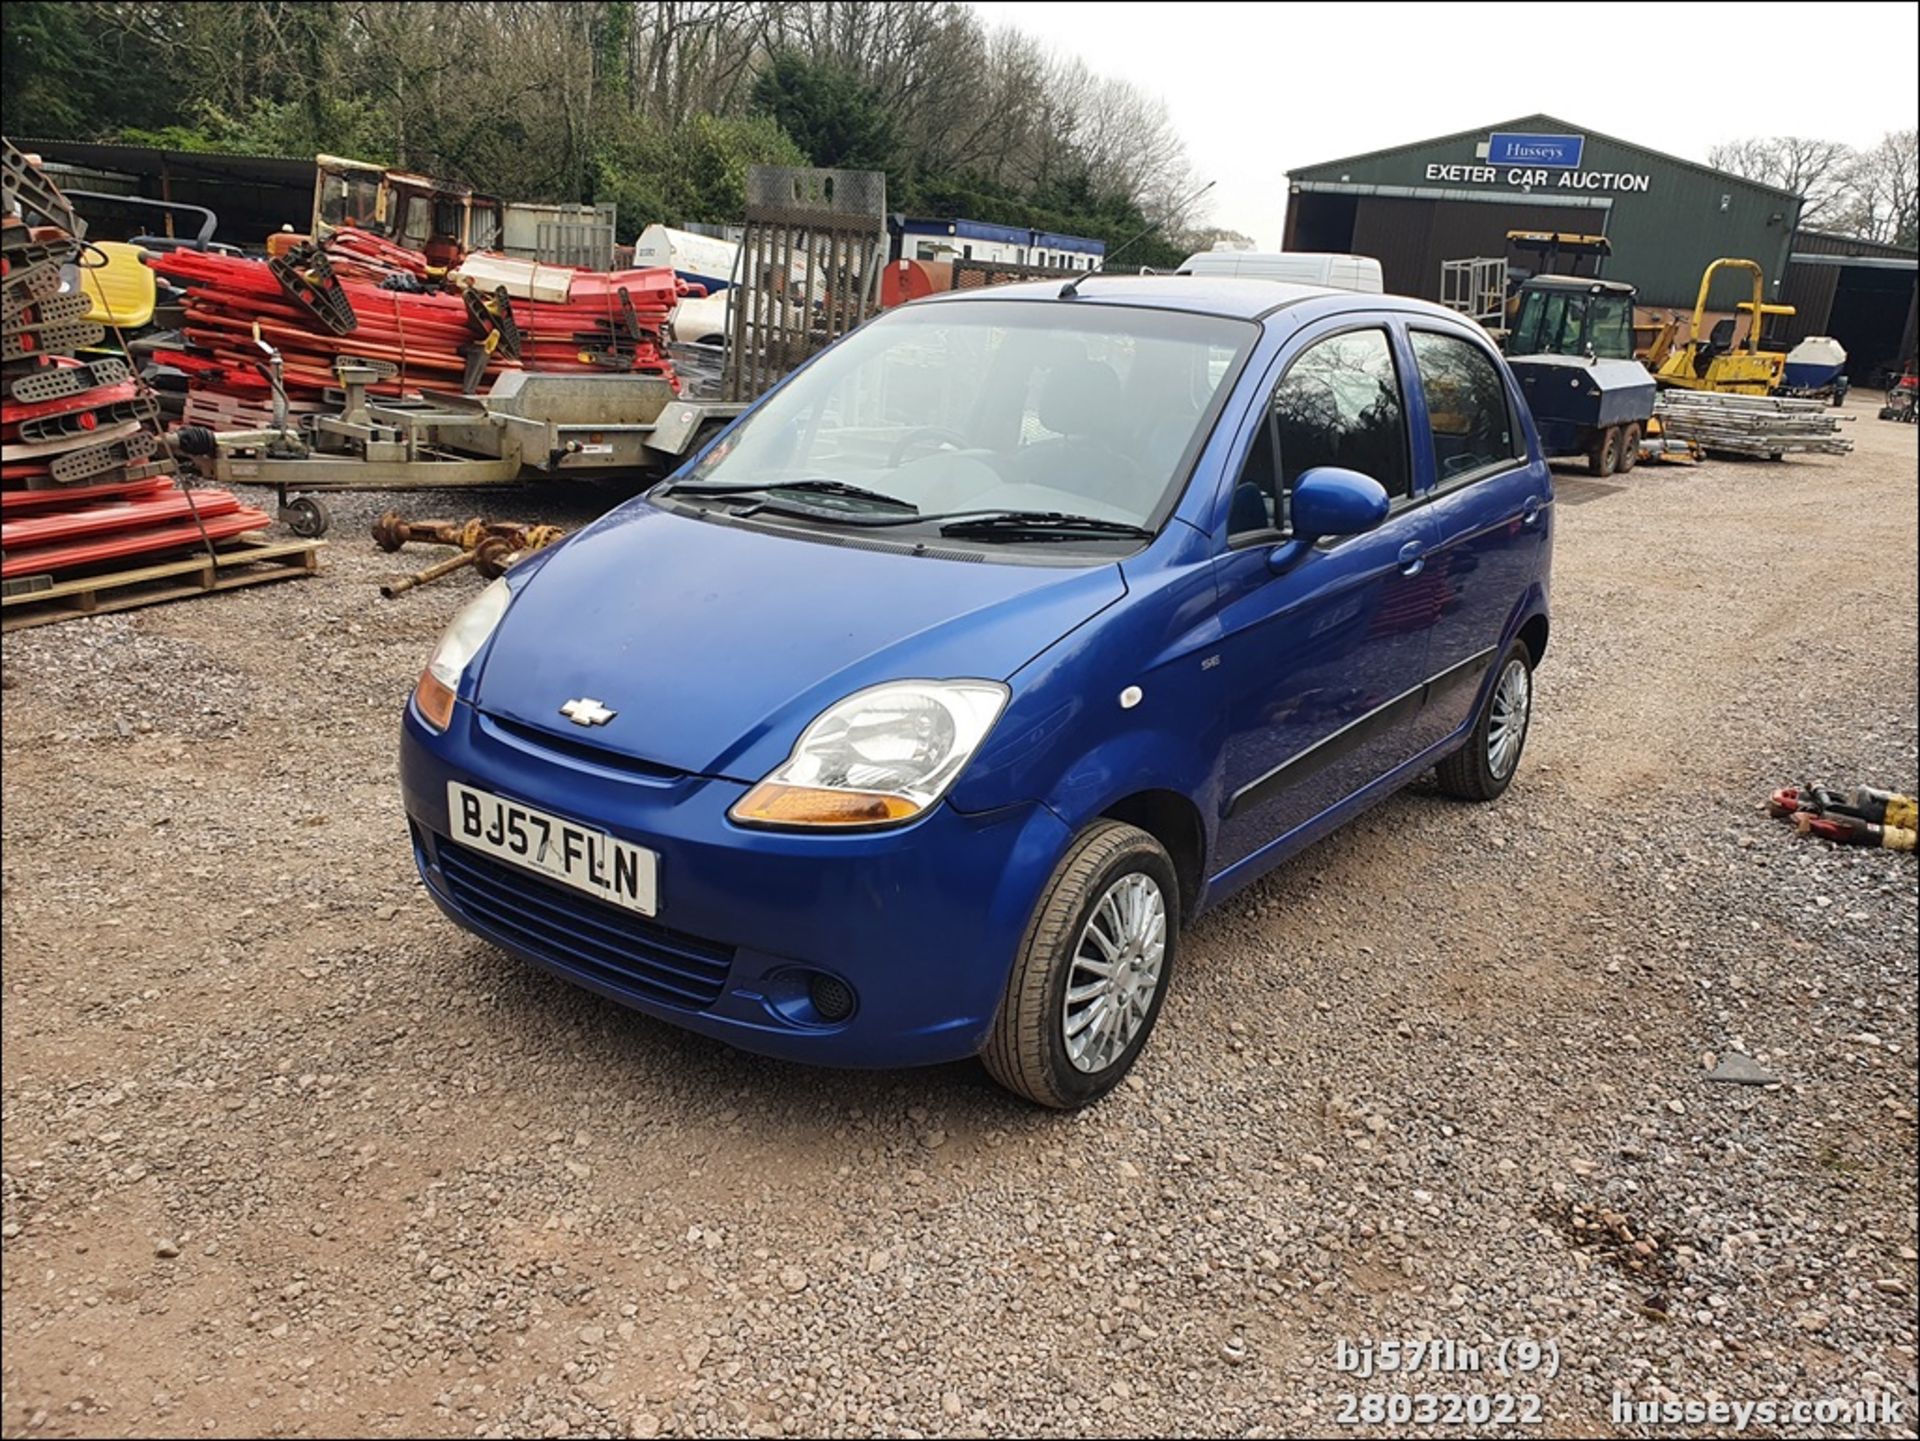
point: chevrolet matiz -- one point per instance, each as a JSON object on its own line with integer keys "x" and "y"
{"x": 913, "y": 718}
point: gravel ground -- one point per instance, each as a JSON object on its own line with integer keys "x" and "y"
{"x": 285, "y": 1153}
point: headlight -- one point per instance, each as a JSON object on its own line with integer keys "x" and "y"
{"x": 880, "y": 756}
{"x": 467, "y": 633}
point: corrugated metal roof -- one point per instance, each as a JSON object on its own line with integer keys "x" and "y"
{"x": 150, "y": 159}
{"x": 1541, "y": 124}
{"x": 1826, "y": 242}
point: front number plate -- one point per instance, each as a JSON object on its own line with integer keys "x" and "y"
{"x": 559, "y": 849}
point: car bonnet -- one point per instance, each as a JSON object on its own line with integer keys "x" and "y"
{"x": 714, "y": 645}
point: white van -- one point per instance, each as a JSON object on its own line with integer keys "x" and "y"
{"x": 1339, "y": 272}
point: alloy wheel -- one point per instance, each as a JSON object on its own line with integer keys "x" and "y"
{"x": 1115, "y": 972}
{"x": 1507, "y": 727}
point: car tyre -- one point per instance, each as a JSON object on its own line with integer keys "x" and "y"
{"x": 1110, "y": 872}
{"x": 1605, "y": 451}
{"x": 1629, "y": 455}
{"x": 1484, "y": 767}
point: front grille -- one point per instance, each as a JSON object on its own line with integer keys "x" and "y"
{"x": 536, "y": 739}
{"x": 609, "y": 944}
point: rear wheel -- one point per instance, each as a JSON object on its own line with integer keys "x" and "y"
{"x": 1604, "y": 452}
{"x": 1091, "y": 973}
{"x": 1629, "y": 455}
{"x": 1483, "y": 768}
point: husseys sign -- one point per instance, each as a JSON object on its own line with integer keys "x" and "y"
{"x": 1537, "y": 162}
{"x": 1562, "y": 152}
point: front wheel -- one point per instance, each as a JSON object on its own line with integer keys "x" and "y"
{"x": 1091, "y": 972}
{"x": 1483, "y": 768}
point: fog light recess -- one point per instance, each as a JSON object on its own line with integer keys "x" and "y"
{"x": 832, "y": 998}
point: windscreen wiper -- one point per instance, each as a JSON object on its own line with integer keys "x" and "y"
{"x": 1044, "y": 524}
{"x": 808, "y": 487}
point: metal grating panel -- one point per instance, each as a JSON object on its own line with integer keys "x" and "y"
{"x": 852, "y": 199}
{"x": 810, "y": 260}
{"x": 587, "y": 244}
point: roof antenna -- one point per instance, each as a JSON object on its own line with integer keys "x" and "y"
{"x": 1071, "y": 289}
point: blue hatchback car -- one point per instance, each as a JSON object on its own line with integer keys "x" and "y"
{"x": 913, "y": 718}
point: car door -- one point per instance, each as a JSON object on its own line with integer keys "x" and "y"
{"x": 1490, "y": 503}
{"x": 1322, "y": 664}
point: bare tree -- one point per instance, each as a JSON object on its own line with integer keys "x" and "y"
{"x": 1211, "y": 237}
{"x": 1815, "y": 170}
{"x": 555, "y": 99}
{"x": 1882, "y": 203}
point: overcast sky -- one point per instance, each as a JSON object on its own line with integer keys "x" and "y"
{"x": 1255, "y": 89}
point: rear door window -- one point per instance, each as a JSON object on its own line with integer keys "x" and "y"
{"x": 1469, "y": 422}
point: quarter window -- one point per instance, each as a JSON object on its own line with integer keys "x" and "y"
{"x": 1338, "y": 404}
{"x": 1472, "y": 426}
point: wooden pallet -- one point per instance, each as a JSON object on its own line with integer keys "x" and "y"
{"x": 245, "y": 562}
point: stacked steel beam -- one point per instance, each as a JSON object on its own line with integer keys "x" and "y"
{"x": 83, "y": 480}
{"x": 1757, "y": 425}
{"x": 361, "y": 297}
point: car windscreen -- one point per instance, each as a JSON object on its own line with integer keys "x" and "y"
{"x": 978, "y": 406}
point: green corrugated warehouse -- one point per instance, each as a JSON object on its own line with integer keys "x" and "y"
{"x": 1456, "y": 197}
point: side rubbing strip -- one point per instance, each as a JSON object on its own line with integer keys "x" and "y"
{"x": 1322, "y": 754}
{"x": 1467, "y": 672}
{"x": 1357, "y": 733}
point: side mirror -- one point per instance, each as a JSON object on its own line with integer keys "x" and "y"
{"x": 1330, "y": 501}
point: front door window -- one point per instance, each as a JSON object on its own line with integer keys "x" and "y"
{"x": 1338, "y": 404}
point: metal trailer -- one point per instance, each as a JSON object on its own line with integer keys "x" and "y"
{"x": 1834, "y": 392}
{"x": 1588, "y": 395}
{"x": 529, "y": 427}
{"x": 812, "y": 255}
{"x": 1596, "y": 408}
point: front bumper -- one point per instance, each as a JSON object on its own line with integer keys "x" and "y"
{"x": 922, "y": 921}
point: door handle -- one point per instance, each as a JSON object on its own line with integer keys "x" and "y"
{"x": 1530, "y": 512}
{"x": 1413, "y": 558}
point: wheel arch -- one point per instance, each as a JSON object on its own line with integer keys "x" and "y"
{"x": 1174, "y": 821}
{"x": 1534, "y": 631}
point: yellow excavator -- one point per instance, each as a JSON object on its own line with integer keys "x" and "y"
{"x": 1715, "y": 362}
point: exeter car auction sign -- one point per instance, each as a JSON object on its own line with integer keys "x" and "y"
{"x": 1530, "y": 162}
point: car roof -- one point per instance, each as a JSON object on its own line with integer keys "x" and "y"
{"x": 1237, "y": 297}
